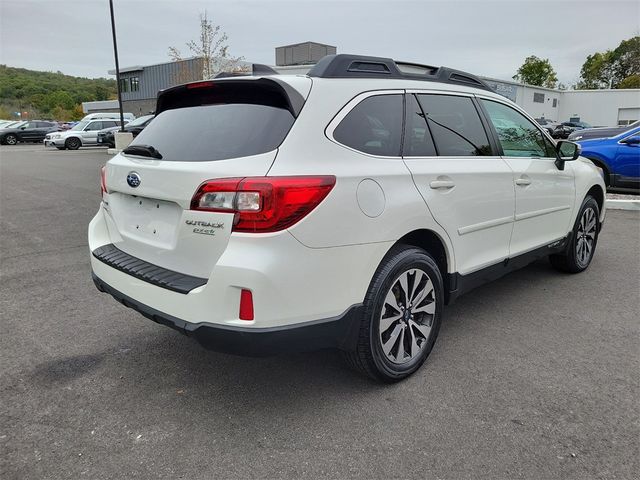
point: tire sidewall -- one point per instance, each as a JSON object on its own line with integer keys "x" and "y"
{"x": 11, "y": 136}
{"x": 73, "y": 143}
{"x": 589, "y": 202}
{"x": 406, "y": 260}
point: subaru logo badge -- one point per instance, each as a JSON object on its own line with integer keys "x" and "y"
{"x": 133, "y": 179}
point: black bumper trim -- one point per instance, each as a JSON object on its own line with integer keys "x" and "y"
{"x": 336, "y": 332}
{"x": 159, "y": 276}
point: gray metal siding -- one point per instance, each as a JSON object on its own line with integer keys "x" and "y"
{"x": 302, "y": 53}
{"x": 158, "y": 77}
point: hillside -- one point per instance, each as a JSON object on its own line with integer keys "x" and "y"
{"x": 48, "y": 94}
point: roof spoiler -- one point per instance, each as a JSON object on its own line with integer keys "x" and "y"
{"x": 360, "y": 66}
{"x": 269, "y": 90}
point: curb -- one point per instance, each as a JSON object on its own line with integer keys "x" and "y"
{"x": 623, "y": 205}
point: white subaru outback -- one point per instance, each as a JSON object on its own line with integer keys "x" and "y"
{"x": 340, "y": 209}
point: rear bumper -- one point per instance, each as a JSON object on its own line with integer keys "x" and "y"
{"x": 337, "y": 332}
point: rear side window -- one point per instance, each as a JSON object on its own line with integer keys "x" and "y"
{"x": 374, "y": 126}
{"x": 216, "y": 132}
{"x": 518, "y": 136}
{"x": 455, "y": 125}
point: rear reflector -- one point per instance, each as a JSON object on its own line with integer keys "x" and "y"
{"x": 263, "y": 204}
{"x": 246, "y": 305}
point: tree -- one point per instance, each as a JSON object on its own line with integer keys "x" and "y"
{"x": 612, "y": 68}
{"x": 625, "y": 59}
{"x": 211, "y": 47}
{"x": 632, "y": 81}
{"x": 536, "y": 71}
{"x": 597, "y": 72}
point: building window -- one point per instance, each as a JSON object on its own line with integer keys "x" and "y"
{"x": 538, "y": 97}
{"x": 124, "y": 85}
{"x": 555, "y": 103}
{"x": 135, "y": 84}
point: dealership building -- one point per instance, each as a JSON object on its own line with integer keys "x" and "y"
{"x": 140, "y": 85}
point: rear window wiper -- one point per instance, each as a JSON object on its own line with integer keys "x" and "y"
{"x": 143, "y": 151}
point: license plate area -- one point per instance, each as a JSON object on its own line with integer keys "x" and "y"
{"x": 146, "y": 219}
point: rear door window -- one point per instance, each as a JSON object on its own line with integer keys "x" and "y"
{"x": 373, "y": 126}
{"x": 417, "y": 137}
{"x": 455, "y": 125}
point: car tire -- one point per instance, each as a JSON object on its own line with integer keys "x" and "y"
{"x": 11, "y": 139}
{"x": 394, "y": 340}
{"x": 584, "y": 238}
{"x": 73, "y": 143}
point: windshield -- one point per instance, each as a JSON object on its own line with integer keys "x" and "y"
{"x": 139, "y": 121}
{"x": 15, "y": 124}
{"x": 79, "y": 126}
{"x": 216, "y": 132}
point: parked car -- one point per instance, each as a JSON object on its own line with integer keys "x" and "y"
{"x": 601, "y": 132}
{"x": 108, "y": 116}
{"x": 107, "y": 136}
{"x": 567, "y": 128}
{"x": 548, "y": 125}
{"x": 260, "y": 215}
{"x": 26, "y": 131}
{"x": 4, "y": 123}
{"x": 84, "y": 133}
{"x": 618, "y": 157}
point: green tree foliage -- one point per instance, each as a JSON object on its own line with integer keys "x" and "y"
{"x": 632, "y": 81}
{"x": 49, "y": 95}
{"x": 613, "y": 68}
{"x": 537, "y": 71}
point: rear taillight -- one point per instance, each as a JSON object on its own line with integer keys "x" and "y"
{"x": 263, "y": 204}
{"x": 103, "y": 180}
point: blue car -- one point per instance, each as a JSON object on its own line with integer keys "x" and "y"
{"x": 618, "y": 156}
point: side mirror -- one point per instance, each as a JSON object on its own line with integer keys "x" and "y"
{"x": 23, "y": 127}
{"x": 635, "y": 140}
{"x": 566, "y": 152}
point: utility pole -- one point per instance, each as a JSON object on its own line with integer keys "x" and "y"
{"x": 115, "y": 53}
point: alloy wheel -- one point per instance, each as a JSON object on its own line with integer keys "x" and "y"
{"x": 407, "y": 316}
{"x": 586, "y": 236}
{"x": 11, "y": 140}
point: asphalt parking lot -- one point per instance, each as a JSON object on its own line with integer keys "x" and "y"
{"x": 533, "y": 376}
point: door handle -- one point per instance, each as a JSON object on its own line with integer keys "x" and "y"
{"x": 523, "y": 181}
{"x": 442, "y": 184}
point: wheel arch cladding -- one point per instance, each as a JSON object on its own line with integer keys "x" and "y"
{"x": 432, "y": 243}
{"x": 597, "y": 193}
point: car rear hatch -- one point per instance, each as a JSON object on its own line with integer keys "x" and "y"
{"x": 226, "y": 128}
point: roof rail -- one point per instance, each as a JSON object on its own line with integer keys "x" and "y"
{"x": 257, "y": 69}
{"x": 360, "y": 66}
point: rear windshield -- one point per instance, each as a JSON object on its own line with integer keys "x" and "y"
{"x": 216, "y": 132}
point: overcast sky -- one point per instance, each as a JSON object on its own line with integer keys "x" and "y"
{"x": 484, "y": 37}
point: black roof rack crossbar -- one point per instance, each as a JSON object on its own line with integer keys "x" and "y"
{"x": 360, "y": 66}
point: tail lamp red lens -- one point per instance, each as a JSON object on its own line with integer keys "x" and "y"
{"x": 103, "y": 180}
{"x": 246, "y": 305}
{"x": 263, "y": 204}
